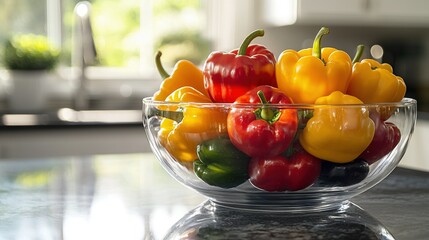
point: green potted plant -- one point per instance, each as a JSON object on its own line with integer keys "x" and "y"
{"x": 30, "y": 60}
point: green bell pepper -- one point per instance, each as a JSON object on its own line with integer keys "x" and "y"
{"x": 221, "y": 164}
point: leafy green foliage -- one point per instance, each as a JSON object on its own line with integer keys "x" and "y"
{"x": 116, "y": 26}
{"x": 30, "y": 52}
{"x": 189, "y": 45}
{"x": 168, "y": 6}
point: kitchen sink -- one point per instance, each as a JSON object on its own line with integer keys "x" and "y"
{"x": 59, "y": 113}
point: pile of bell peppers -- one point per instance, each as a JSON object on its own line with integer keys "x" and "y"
{"x": 274, "y": 147}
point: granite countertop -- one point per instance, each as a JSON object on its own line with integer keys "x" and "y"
{"x": 130, "y": 196}
{"x": 396, "y": 209}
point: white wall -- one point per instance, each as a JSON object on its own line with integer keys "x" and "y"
{"x": 417, "y": 155}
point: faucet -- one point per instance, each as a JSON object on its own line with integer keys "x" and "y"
{"x": 84, "y": 52}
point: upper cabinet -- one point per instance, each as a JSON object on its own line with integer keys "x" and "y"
{"x": 349, "y": 12}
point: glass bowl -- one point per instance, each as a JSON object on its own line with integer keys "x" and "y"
{"x": 209, "y": 222}
{"x": 202, "y": 146}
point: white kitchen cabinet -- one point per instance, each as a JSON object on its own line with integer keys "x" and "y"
{"x": 407, "y": 11}
{"x": 350, "y": 12}
{"x": 337, "y": 11}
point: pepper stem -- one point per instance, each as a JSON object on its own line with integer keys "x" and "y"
{"x": 173, "y": 115}
{"x": 266, "y": 112}
{"x": 248, "y": 39}
{"x": 359, "y": 52}
{"x": 317, "y": 49}
{"x": 159, "y": 66}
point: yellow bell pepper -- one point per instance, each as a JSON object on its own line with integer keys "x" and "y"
{"x": 338, "y": 133}
{"x": 314, "y": 72}
{"x": 374, "y": 82}
{"x": 185, "y": 73}
{"x": 181, "y": 138}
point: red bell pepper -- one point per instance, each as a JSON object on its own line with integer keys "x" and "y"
{"x": 386, "y": 136}
{"x": 262, "y": 131}
{"x": 230, "y": 75}
{"x": 281, "y": 173}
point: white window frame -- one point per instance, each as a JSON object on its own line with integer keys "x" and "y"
{"x": 228, "y": 22}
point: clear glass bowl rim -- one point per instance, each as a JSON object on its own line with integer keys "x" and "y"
{"x": 403, "y": 103}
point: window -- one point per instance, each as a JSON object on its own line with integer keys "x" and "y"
{"x": 32, "y": 17}
{"x": 127, "y": 33}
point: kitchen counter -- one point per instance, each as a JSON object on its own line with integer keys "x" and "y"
{"x": 130, "y": 196}
{"x": 69, "y": 132}
{"x": 67, "y": 117}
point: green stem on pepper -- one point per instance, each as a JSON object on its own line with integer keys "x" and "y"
{"x": 303, "y": 116}
{"x": 317, "y": 49}
{"x": 267, "y": 113}
{"x": 358, "y": 55}
{"x": 248, "y": 39}
{"x": 159, "y": 66}
{"x": 173, "y": 115}
{"x": 359, "y": 52}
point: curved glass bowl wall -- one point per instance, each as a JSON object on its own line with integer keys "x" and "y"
{"x": 246, "y": 196}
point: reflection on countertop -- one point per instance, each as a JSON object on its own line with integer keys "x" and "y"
{"x": 216, "y": 222}
{"x": 94, "y": 197}
{"x": 130, "y": 196}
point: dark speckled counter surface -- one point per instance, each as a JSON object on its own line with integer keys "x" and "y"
{"x": 401, "y": 203}
{"x": 130, "y": 196}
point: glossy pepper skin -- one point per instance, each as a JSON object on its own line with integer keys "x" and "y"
{"x": 314, "y": 72}
{"x": 185, "y": 73}
{"x": 337, "y": 133}
{"x": 387, "y": 135}
{"x": 374, "y": 82}
{"x": 220, "y": 163}
{"x": 343, "y": 174}
{"x": 181, "y": 136}
{"x": 295, "y": 172}
{"x": 230, "y": 75}
{"x": 262, "y": 131}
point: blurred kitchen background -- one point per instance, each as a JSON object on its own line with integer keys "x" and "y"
{"x": 126, "y": 33}
{"x": 107, "y": 49}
